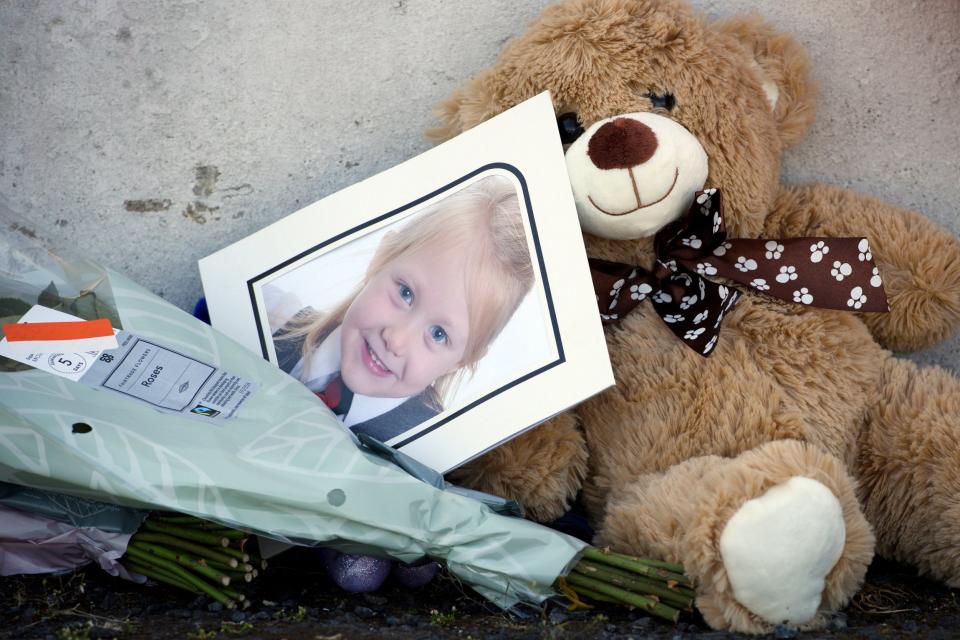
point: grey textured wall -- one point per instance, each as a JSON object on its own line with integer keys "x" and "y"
{"x": 149, "y": 134}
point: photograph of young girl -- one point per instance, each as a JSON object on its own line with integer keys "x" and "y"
{"x": 419, "y": 318}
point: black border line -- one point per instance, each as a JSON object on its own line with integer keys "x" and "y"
{"x": 535, "y": 236}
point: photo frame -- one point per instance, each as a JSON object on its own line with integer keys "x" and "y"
{"x": 321, "y": 270}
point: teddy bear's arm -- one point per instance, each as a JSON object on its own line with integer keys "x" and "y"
{"x": 918, "y": 260}
{"x": 542, "y": 469}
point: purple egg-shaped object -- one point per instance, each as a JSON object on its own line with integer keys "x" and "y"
{"x": 414, "y": 576}
{"x": 357, "y": 573}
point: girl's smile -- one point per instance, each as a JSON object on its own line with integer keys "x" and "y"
{"x": 372, "y": 362}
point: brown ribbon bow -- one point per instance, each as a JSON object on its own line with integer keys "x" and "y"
{"x": 833, "y": 273}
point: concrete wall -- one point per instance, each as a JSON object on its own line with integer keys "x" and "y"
{"x": 148, "y": 134}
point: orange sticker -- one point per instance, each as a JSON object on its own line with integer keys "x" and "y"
{"x": 58, "y": 330}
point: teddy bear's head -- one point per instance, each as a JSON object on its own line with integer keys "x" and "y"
{"x": 653, "y": 103}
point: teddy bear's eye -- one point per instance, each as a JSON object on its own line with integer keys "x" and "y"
{"x": 662, "y": 100}
{"x": 570, "y": 127}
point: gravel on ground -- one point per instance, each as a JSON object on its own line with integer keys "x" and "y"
{"x": 293, "y": 599}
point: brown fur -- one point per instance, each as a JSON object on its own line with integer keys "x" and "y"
{"x": 668, "y": 455}
{"x": 543, "y": 474}
{"x": 910, "y": 468}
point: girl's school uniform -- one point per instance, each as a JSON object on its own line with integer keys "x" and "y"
{"x": 380, "y": 418}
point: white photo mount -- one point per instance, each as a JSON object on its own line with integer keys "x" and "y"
{"x": 552, "y": 353}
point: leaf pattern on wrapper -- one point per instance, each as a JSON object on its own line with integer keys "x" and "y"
{"x": 157, "y": 474}
{"x": 25, "y": 446}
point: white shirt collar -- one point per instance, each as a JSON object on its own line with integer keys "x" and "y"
{"x": 365, "y": 408}
{"x": 324, "y": 365}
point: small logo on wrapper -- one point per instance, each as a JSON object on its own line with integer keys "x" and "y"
{"x": 67, "y": 362}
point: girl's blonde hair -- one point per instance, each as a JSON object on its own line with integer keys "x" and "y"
{"x": 485, "y": 219}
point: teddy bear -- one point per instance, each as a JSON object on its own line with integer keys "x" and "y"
{"x": 776, "y": 465}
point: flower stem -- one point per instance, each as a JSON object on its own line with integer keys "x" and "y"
{"x": 185, "y": 532}
{"x": 651, "y": 605}
{"x": 179, "y": 558}
{"x": 155, "y": 573}
{"x": 236, "y": 553}
{"x": 214, "y": 555}
{"x": 596, "y": 595}
{"x": 149, "y": 559}
{"x": 638, "y": 584}
{"x": 636, "y": 565}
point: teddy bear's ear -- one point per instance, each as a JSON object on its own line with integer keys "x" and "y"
{"x": 784, "y": 70}
{"x": 465, "y": 108}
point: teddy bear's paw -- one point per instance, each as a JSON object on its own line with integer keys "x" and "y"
{"x": 778, "y": 549}
{"x": 778, "y": 537}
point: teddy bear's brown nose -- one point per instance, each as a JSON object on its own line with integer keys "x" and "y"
{"x": 622, "y": 143}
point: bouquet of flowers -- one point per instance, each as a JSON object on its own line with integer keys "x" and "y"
{"x": 237, "y": 442}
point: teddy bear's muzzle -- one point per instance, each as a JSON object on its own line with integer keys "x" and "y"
{"x": 622, "y": 143}
{"x": 632, "y": 174}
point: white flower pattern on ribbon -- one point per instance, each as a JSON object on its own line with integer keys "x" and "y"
{"x": 615, "y": 291}
{"x": 640, "y": 291}
{"x": 818, "y": 250}
{"x": 722, "y": 249}
{"x": 803, "y": 296}
{"x": 710, "y": 345}
{"x": 723, "y": 310}
{"x": 787, "y": 274}
{"x": 841, "y": 270}
{"x": 857, "y": 298}
{"x": 690, "y": 310}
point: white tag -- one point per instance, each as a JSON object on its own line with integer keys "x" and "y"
{"x": 138, "y": 369}
{"x": 66, "y": 358}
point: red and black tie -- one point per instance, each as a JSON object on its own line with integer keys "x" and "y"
{"x": 337, "y": 396}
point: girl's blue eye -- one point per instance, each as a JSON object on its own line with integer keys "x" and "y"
{"x": 406, "y": 294}
{"x": 437, "y": 334}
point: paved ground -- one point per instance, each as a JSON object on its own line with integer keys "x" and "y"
{"x": 293, "y": 601}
